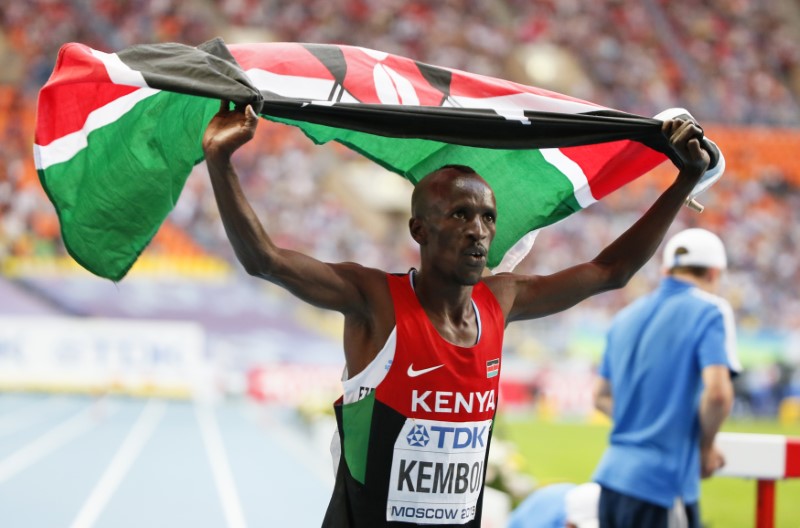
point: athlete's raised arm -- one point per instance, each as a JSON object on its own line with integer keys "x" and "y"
{"x": 528, "y": 297}
{"x": 341, "y": 287}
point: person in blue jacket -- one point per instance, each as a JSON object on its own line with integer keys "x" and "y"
{"x": 665, "y": 381}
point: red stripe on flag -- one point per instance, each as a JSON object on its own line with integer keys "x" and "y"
{"x": 364, "y": 70}
{"x": 792, "y": 458}
{"x": 465, "y": 84}
{"x": 282, "y": 58}
{"x": 609, "y": 166}
{"x": 361, "y": 71}
{"x": 79, "y": 85}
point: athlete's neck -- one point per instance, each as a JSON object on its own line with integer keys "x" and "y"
{"x": 455, "y": 317}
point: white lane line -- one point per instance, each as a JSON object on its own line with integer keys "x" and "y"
{"x": 314, "y": 455}
{"x": 48, "y": 442}
{"x": 121, "y": 463}
{"x": 27, "y": 415}
{"x": 223, "y": 477}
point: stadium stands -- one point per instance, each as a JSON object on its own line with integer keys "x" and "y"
{"x": 734, "y": 64}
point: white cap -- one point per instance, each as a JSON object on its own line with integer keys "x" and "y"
{"x": 581, "y": 504}
{"x": 695, "y": 247}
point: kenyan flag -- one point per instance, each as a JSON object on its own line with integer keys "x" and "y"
{"x": 118, "y": 134}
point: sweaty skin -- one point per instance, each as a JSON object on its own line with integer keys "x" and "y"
{"x": 453, "y": 222}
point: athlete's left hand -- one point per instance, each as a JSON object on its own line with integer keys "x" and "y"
{"x": 684, "y": 136}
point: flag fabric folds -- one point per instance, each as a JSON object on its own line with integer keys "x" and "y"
{"x": 117, "y": 134}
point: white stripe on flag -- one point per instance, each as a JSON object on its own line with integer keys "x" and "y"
{"x": 66, "y": 147}
{"x": 526, "y": 101}
{"x": 573, "y": 171}
{"x": 118, "y": 71}
{"x": 392, "y": 88}
{"x": 514, "y": 114}
{"x": 511, "y": 106}
{"x": 375, "y": 54}
{"x": 311, "y": 88}
{"x": 516, "y": 253}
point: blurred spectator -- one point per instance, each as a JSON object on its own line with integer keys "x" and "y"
{"x": 729, "y": 61}
{"x": 558, "y": 506}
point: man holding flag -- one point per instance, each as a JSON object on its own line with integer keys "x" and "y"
{"x": 422, "y": 349}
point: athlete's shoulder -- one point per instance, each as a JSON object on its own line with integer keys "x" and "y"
{"x": 365, "y": 278}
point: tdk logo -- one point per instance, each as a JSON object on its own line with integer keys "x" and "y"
{"x": 448, "y": 437}
{"x": 459, "y": 437}
{"x": 418, "y": 437}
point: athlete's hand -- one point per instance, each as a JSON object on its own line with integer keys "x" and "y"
{"x": 684, "y": 137}
{"x": 228, "y": 130}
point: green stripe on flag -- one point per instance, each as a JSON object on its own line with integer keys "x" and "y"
{"x": 530, "y": 192}
{"x": 112, "y": 196}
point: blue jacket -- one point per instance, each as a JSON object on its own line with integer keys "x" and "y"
{"x": 655, "y": 353}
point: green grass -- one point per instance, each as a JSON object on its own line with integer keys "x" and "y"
{"x": 568, "y": 452}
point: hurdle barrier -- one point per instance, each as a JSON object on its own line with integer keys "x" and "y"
{"x": 765, "y": 458}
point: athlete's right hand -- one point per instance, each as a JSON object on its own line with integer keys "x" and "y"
{"x": 228, "y": 130}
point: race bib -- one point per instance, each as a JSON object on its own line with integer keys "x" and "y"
{"x": 437, "y": 471}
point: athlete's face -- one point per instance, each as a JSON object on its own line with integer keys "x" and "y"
{"x": 456, "y": 225}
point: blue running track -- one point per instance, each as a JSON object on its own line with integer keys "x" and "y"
{"x": 116, "y": 462}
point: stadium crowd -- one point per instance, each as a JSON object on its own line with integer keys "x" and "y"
{"x": 728, "y": 60}
{"x": 732, "y": 62}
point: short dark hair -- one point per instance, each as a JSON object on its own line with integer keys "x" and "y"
{"x": 696, "y": 271}
{"x": 417, "y": 200}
